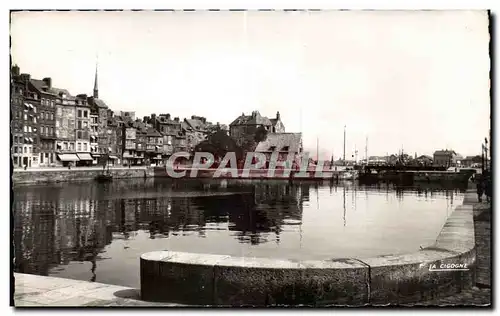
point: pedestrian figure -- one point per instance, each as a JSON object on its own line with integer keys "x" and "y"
{"x": 488, "y": 189}
{"x": 479, "y": 188}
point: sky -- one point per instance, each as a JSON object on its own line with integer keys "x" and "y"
{"x": 411, "y": 80}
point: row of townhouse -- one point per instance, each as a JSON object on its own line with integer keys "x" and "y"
{"x": 155, "y": 138}
{"x": 51, "y": 127}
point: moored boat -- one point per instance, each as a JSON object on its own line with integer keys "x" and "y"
{"x": 104, "y": 178}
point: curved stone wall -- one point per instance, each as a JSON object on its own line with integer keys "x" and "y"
{"x": 203, "y": 279}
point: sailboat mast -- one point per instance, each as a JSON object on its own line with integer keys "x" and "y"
{"x": 366, "y": 150}
{"x": 317, "y": 149}
{"x": 344, "y": 144}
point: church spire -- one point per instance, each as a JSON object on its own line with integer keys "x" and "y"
{"x": 96, "y": 90}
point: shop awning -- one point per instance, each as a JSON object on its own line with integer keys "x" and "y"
{"x": 127, "y": 155}
{"x": 85, "y": 156}
{"x": 113, "y": 157}
{"x": 68, "y": 157}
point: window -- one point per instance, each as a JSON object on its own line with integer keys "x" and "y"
{"x": 79, "y": 113}
{"x": 25, "y": 128}
{"x": 34, "y": 119}
{"x": 29, "y": 129}
{"x": 79, "y": 124}
{"x": 15, "y": 149}
{"x": 85, "y": 114}
{"x": 29, "y": 150}
{"x": 41, "y": 158}
{"x": 25, "y": 116}
{"x": 52, "y": 103}
{"x": 15, "y": 160}
{"x": 51, "y": 131}
{"x": 52, "y": 116}
{"x": 43, "y": 101}
{"x": 85, "y": 124}
{"x": 17, "y": 115}
{"x": 84, "y": 147}
{"x": 25, "y": 150}
{"x": 65, "y": 146}
{"x": 72, "y": 146}
{"x": 79, "y": 146}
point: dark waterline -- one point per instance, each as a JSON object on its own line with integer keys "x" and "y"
{"x": 97, "y": 232}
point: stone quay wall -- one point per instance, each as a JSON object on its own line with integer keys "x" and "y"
{"x": 52, "y": 175}
{"x": 205, "y": 279}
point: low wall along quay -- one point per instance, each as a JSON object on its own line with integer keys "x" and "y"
{"x": 75, "y": 174}
{"x": 204, "y": 279}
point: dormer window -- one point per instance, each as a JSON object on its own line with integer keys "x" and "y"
{"x": 272, "y": 148}
{"x": 286, "y": 148}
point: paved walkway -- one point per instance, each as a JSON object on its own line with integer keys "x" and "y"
{"x": 37, "y": 291}
{"x": 480, "y": 295}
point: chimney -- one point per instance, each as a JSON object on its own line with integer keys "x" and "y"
{"x": 168, "y": 116}
{"x": 192, "y": 117}
{"x": 242, "y": 113}
{"x": 254, "y": 114}
{"x": 15, "y": 70}
{"x": 153, "y": 118}
{"x": 25, "y": 77}
{"x": 48, "y": 82}
{"x": 176, "y": 119}
{"x": 204, "y": 120}
{"x": 278, "y": 115}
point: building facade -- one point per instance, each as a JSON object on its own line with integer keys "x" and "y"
{"x": 284, "y": 145}
{"x": 196, "y": 129}
{"x": 46, "y": 121}
{"x": 65, "y": 128}
{"x": 245, "y": 126}
{"x": 82, "y": 131}
{"x": 24, "y": 121}
{"x": 129, "y": 145}
{"x": 445, "y": 158}
{"x": 154, "y": 147}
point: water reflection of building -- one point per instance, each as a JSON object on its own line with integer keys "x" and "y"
{"x": 51, "y": 229}
{"x": 266, "y": 210}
